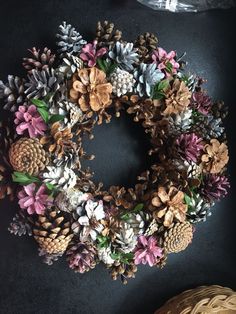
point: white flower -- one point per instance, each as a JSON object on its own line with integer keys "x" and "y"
{"x": 62, "y": 177}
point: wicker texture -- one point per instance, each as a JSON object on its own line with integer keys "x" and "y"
{"x": 205, "y": 299}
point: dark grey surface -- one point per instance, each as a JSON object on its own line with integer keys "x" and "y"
{"x": 27, "y": 285}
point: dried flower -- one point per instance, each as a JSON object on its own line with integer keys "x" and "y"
{"x": 214, "y": 186}
{"x": 34, "y": 199}
{"x": 91, "y": 89}
{"x": 177, "y": 98}
{"x": 165, "y": 61}
{"x": 90, "y": 53}
{"x": 189, "y": 146}
{"x": 147, "y": 251}
{"x": 215, "y": 156}
{"x": 201, "y": 101}
{"x": 28, "y": 118}
{"x": 170, "y": 205}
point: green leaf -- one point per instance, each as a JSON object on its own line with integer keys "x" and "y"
{"x": 50, "y": 186}
{"x": 102, "y": 241}
{"x": 125, "y": 216}
{"x": 106, "y": 66}
{"x": 115, "y": 256}
{"x": 162, "y": 85}
{"x": 169, "y": 67}
{"x": 44, "y": 114}
{"x": 187, "y": 199}
{"x": 24, "y": 178}
{"x": 138, "y": 207}
{"x": 39, "y": 103}
{"x": 158, "y": 90}
{"x": 102, "y": 64}
{"x": 56, "y": 117}
{"x": 123, "y": 257}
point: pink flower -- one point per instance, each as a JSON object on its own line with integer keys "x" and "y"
{"x": 147, "y": 251}
{"x": 165, "y": 61}
{"x": 33, "y": 199}
{"x": 28, "y": 118}
{"x": 90, "y": 53}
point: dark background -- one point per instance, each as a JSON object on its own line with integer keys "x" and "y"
{"x": 29, "y": 286}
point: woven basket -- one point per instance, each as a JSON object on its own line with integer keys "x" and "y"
{"x": 205, "y": 299}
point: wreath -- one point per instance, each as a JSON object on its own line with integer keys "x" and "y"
{"x": 63, "y": 97}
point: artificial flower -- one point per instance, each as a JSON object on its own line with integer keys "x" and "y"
{"x": 165, "y": 61}
{"x": 90, "y": 53}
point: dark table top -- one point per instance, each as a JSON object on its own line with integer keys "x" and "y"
{"x": 29, "y": 286}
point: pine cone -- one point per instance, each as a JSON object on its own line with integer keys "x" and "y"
{"x": 71, "y": 112}
{"x": 70, "y": 65}
{"x": 21, "y": 224}
{"x": 70, "y": 199}
{"x": 198, "y": 210}
{"x": 70, "y": 41}
{"x": 124, "y": 55}
{"x": 52, "y": 231}
{"x": 82, "y": 257}
{"x": 122, "y": 82}
{"x": 63, "y": 178}
{"x": 137, "y": 222}
{"x": 12, "y": 92}
{"x": 106, "y": 36}
{"x": 39, "y": 61}
{"x": 125, "y": 239}
{"x": 182, "y": 122}
{"x": 125, "y": 271}
{"x": 219, "y": 110}
{"x": 146, "y": 75}
{"x": 41, "y": 83}
{"x": 27, "y": 155}
{"x": 48, "y": 258}
{"x": 58, "y": 141}
{"x": 178, "y": 237}
{"x": 146, "y": 43}
{"x": 209, "y": 127}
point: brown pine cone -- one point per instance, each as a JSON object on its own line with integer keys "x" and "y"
{"x": 58, "y": 141}
{"x": 125, "y": 271}
{"x": 178, "y": 237}
{"x": 106, "y": 36}
{"x": 53, "y": 232}
{"x": 146, "y": 43}
{"x": 27, "y": 155}
{"x": 39, "y": 61}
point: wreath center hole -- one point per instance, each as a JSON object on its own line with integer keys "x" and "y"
{"x": 121, "y": 152}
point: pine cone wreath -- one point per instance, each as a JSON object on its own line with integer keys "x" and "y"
{"x": 146, "y": 43}
{"x": 27, "y": 155}
{"x": 52, "y": 231}
{"x": 69, "y": 40}
{"x": 178, "y": 237}
{"x": 39, "y": 60}
{"x": 12, "y": 92}
{"x": 106, "y": 36}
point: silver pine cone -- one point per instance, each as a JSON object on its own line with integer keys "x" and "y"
{"x": 198, "y": 209}
{"x": 180, "y": 122}
{"x": 146, "y": 75}
{"x": 42, "y": 83}
{"x": 12, "y": 93}
{"x": 122, "y": 82}
{"x": 69, "y": 65}
{"x": 69, "y": 40}
{"x": 137, "y": 222}
{"x": 62, "y": 177}
{"x": 125, "y": 55}
{"x": 125, "y": 239}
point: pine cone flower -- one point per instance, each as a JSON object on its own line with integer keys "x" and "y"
{"x": 62, "y": 177}
{"x": 21, "y": 224}
{"x": 165, "y": 61}
{"x": 106, "y": 35}
{"x": 201, "y": 102}
{"x": 178, "y": 237}
{"x": 12, "y": 92}
{"x": 52, "y": 231}
{"x": 48, "y": 258}
{"x": 122, "y": 82}
{"x": 70, "y": 199}
{"x": 89, "y": 219}
{"x": 58, "y": 140}
{"x": 91, "y": 90}
{"x": 125, "y": 239}
{"x": 125, "y": 271}
{"x": 82, "y": 257}
{"x": 39, "y": 61}
{"x": 177, "y": 98}
{"x": 214, "y": 187}
{"x": 104, "y": 255}
{"x": 125, "y": 55}
{"x": 146, "y": 75}
{"x": 34, "y": 199}
{"x": 70, "y": 41}
{"x": 169, "y": 204}
{"x": 198, "y": 209}
{"x": 147, "y": 251}
{"x": 189, "y": 146}
{"x": 215, "y": 156}
{"x": 28, "y": 119}
{"x": 41, "y": 83}
{"x": 146, "y": 43}
{"x": 90, "y": 53}
{"x": 27, "y": 155}
{"x": 70, "y": 64}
